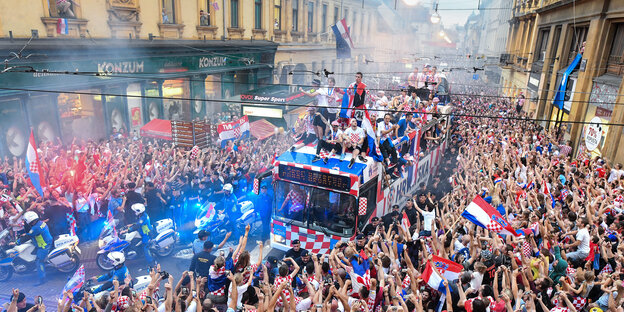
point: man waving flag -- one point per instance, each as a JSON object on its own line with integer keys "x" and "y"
{"x": 33, "y": 167}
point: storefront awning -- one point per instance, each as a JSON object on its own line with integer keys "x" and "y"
{"x": 157, "y": 128}
{"x": 262, "y": 129}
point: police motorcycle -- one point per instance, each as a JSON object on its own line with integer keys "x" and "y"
{"x": 131, "y": 244}
{"x": 20, "y": 257}
{"x": 213, "y": 219}
{"x": 117, "y": 259}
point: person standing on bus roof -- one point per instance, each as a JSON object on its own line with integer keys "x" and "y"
{"x": 308, "y": 128}
{"x": 354, "y": 142}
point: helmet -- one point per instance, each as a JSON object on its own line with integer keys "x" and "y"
{"x": 228, "y": 187}
{"x": 116, "y": 258}
{"x": 30, "y": 216}
{"x": 138, "y": 208}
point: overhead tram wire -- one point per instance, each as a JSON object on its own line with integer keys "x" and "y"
{"x": 271, "y": 104}
{"x": 143, "y": 77}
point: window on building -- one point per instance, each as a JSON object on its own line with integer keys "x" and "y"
{"x": 65, "y": 9}
{"x": 345, "y": 15}
{"x": 204, "y": 15}
{"x": 579, "y": 35}
{"x": 258, "y": 14}
{"x": 324, "y": 18}
{"x": 615, "y": 62}
{"x": 310, "y": 16}
{"x": 168, "y": 12}
{"x": 82, "y": 116}
{"x": 295, "y": 15}
{"x": 277, "y": 13}
{"x": 553, "y": 51}
{"x": 542, "y": 42}
{"x": 234, "y": 13}
{"x": 336, "y": 15}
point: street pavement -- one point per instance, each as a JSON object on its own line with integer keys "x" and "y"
{"x": 51, "y": 291}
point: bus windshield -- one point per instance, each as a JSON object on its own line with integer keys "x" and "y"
{"x": 317, "y": 209}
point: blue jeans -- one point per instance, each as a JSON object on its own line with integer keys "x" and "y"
{"x": 42, "y": 253}
{"x": 576, "y": 255}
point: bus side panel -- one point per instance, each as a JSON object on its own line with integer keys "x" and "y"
{"x": 313, "y": 241}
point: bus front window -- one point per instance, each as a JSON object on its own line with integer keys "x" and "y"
{"x": 291, "y": 201}
{"x": 332, "y": 212}
{"x": 321, "y": 210}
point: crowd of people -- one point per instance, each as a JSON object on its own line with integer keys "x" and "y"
{"x": 568, "y": 208}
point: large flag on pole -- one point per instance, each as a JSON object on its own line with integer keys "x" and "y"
{"x": 344, "y": 44}
{"x": 33, "y": 167}
{"x": 484, "y": 215}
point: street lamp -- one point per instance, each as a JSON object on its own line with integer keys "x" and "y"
{"x": 411, "y": 2}
{"x": 435, "y": 17}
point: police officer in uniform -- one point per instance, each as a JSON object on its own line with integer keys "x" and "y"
{"x": 41, "y": 238}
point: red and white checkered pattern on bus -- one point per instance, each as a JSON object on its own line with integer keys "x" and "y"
{"x": 313, "y": 241}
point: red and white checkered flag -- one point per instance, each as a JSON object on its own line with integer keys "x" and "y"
{"x": 324, "y": 154}
{"x": 256, "y": 187}
{"x": 363, "y": 204}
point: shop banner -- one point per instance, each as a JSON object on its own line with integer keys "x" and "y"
{"x": 233, "y": 130}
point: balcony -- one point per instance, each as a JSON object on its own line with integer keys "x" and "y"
{"x": 207, "y": 32}
{"x": 279, "y": 35}
{"x": 258, "y": 34}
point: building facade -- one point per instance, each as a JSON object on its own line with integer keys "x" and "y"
{"x": 561, "y": 30}
{"x": 100, "y": 66}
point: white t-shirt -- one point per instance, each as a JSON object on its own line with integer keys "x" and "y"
{"x": 332, "y": 96}
{"x": 357, "y": 133}
{"x": 583, "y": 236}
{"x": 241, "y": 290}
{"x": 382, "y": 126}
{"x": 322, "y": 97}
{"x": 428, "y": 216}
{"x": 477, "y": 280}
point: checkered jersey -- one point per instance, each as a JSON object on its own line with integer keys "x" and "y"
{"x": 297, "y": 200}
{"x": 278, "y": 281}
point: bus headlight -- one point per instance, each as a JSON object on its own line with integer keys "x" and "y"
{"x": 279, "y": 239}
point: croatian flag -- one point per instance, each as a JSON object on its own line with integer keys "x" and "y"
{"x": 484, "y": 215}
{"x": 76, "y": 281}
{"x": 62, "y": 27}
{"x": 344, "y": 44}
{"x": 373, "y": 149}
{"x": 449, "y": 269}
{"x": 433, "y": 278}
{"x": 346, "y": 109}
{"x": 233, "y": 130}
{"x": 359, "y": 272}
{"x": 33, "y": 166}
